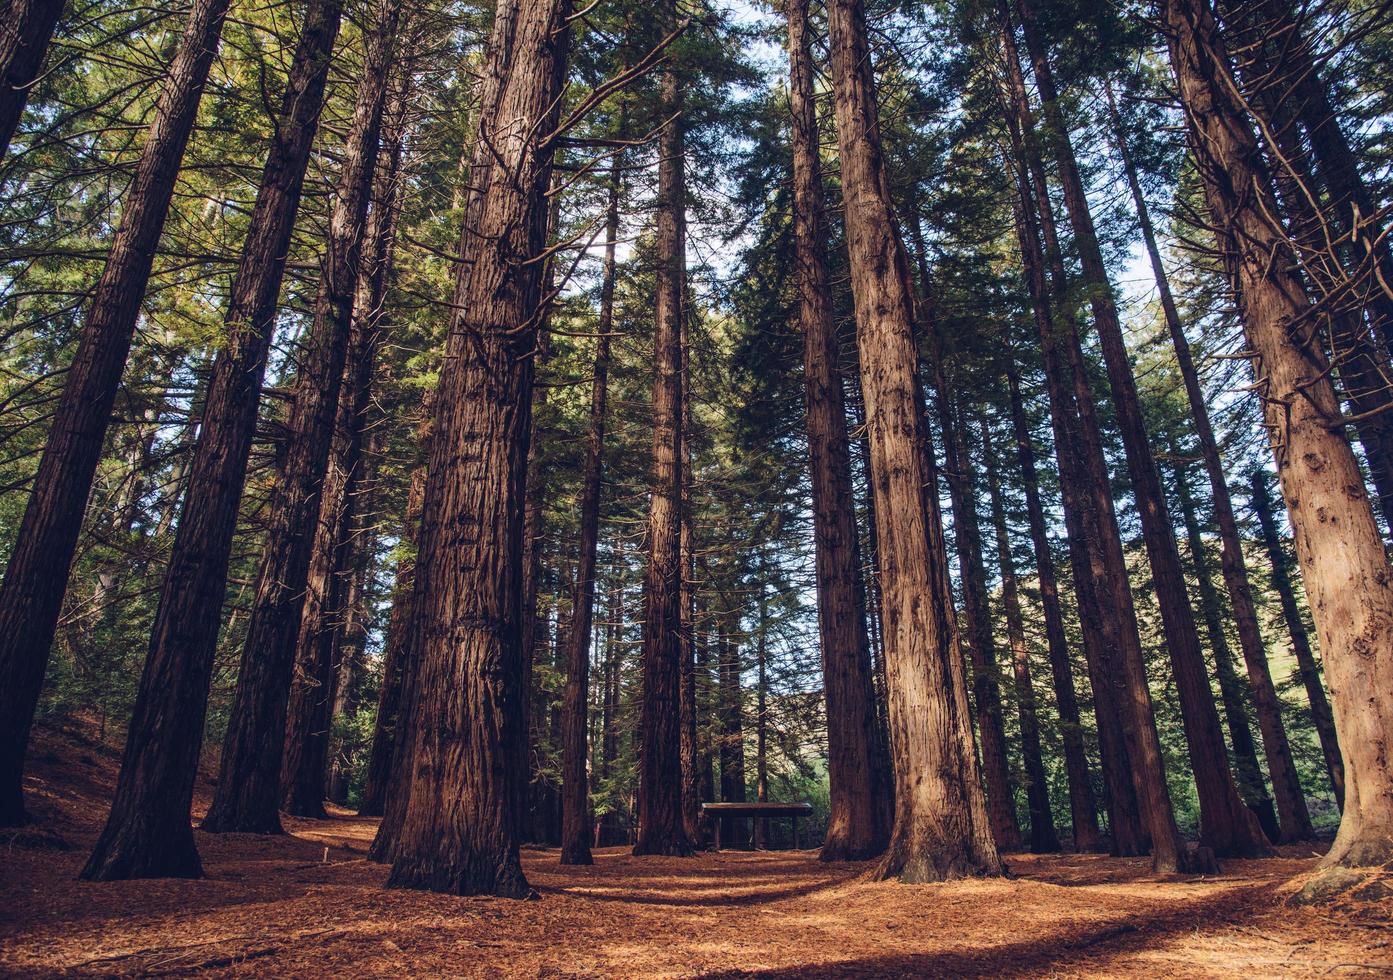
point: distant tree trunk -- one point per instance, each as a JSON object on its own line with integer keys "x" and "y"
{"x": 386, "y": 758}
{"x": 1343, "y": 562}
{"x": 36, "y": 576}
{"x": 661, "y": 827}
{"x": 731, "y": 714}
{"x": 761, "y": 827}
{"x": 939, "y": 832}
{"x": 248, "y": 794}
{"x": 1250, "y": 779}
{"x": 1137, "y": 798}
{"x": 1043, "y": 839}
{"x": 858, "y": 822}
{"x": 1226, "y": 824}
{"x": 460, "y": 832}
{"x": 986, "y": 687}
{"x": 1082, "y": 809}
{"x": 25, "y": 30}
{"x": 576, "y": 826}
{"x": 1291, "y": 802}
{"x": 1306, "y": 666}
{"x": 330, "y": 572}
{"x": 691, "y": 795}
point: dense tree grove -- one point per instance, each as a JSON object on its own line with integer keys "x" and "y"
{"x": 530, "y": 420}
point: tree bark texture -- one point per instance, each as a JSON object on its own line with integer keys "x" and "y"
{"x": 461, "y": 828}
{"x": 858, "y": 822}
{"x": 939, "y": 833}
{"x": 25, "y": 30}
{"x": 1343, "y": 563}
{"x": 661, "y": 828}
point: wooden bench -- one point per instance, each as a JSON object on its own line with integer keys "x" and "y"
{"x": 755, "y": 811}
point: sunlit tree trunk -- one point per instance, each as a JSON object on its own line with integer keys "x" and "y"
{"x": 940, "y": 831}
{"x": 1343, "y": 563}
{"x": 36, "y": 576}
{"x": 858, "y": 823}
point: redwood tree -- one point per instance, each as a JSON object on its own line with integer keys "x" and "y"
{"x": 858, "y": 822}
{"x": 248, "y": 794}
{"x": 940, "y": 830}
{"x": 148, "y": 832}
{"x": 26, "y": 27}
{"x": 661, "y": 827}
{"x": 36, "y": 576}
{"x": 461, "y": 827}
{"x": 1343, "y": 562}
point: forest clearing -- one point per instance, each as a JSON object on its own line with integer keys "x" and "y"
{"x": 310, "y": 904}
{"x": 696, "y": 487}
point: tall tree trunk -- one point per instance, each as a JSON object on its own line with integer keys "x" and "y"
{"x": 576, "y": 829}
{"x": 1226, "y": 824}
{"x": 248, "y": 794}
{"x": 1082, "y": 809}
{"x": 1295, "y": 822}
{"x": 940, "y": 831}
{"x": 384, "y": 776}
{"x": 858, "y": 822}
{"x": 687, "y": 709}
{"x": 330, "y": 571}
{"x": 25, "y": 30}
{"x": 1343, "y": 563}
{"x": 1250, "y": 779}
{"x": 1043, "y": 839}
{"x": 732, "y": 720}
{"x": 460, "y": 832}
{"x": 1138, "y": 800}
{"x": 761, "y": 827}
{"x": 986, "y": 686}
{"x": 661, "y": 827}
{"x": 1306, "y": 665}
{"x": 36, "y": 576}
{"x": 147, "y": 833}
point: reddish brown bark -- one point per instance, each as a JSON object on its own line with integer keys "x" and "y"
{"x": 1226, "y": 824}
{"x": 248, "y": 794}
{"x": 858, "y": 823}
{"x": 661, "y": 827}
{"x": 25, "y": 30}
{"x": 940, "y": 828}
{"x": 36, "y": 575}
{"x": 461, "y": 828}
{"x": 1083, "y": 811}
{"x": 330, "y": 575}
{"x": 1295, "y": 822}
{"x": 1343, "y": 562}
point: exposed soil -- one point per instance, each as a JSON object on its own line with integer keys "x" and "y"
{"x": 310, "y": 905}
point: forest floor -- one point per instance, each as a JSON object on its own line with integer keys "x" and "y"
{"x": 309, "y": 905}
